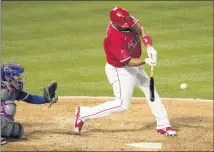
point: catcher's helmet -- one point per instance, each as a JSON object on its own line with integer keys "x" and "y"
{"x": 12, "y": 73}
{"x": 122, "y": 18}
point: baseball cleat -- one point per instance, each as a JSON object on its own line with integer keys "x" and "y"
{"x": 78, "y": 123}
{"x": 166, "y": 131}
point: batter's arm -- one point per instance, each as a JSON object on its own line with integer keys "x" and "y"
{"x": 140, "y": 30}
{"x": 138, "y": 62}
{"x": 147, "y": 41}
{"x": 135, "y": 62}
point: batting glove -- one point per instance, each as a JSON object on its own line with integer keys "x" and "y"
{"x": 149, "y": 61}
{"x": 152, "y": 53}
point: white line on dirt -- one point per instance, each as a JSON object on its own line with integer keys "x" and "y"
{"x": 151, "y": 145}
{"x": 140, "y": 98}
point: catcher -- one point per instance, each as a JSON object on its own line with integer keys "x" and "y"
{"x": 12, "y": 83}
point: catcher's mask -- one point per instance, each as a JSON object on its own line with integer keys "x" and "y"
{"x": 12, "y": 73}
{"x": 122, "y": 18}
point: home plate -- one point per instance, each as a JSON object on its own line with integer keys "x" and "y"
{"x": 153, "y": 145}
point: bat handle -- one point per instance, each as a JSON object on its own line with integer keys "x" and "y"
{"x": 152, "y": 70}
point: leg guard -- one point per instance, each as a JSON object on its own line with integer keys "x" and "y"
{"x": 18, "y": 130}
{"x": 10, "y": 128}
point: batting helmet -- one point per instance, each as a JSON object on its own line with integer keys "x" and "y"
{"x": 122, "y": 18}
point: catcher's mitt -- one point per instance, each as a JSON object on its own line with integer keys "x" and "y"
{"x": 49, "y": 92}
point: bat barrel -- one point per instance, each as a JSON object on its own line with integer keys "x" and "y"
{"x": 152, "y": 95}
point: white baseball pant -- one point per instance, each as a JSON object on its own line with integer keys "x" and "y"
{"x": 123, "y": 81}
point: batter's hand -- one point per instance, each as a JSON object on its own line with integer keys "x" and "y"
{"x": 152, "y": 53}
{"x": 149, "y": 61}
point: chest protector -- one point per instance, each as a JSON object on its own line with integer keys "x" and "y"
{"x": 8, "y": 96}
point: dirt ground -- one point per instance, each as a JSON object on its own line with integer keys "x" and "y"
{"x": 52, "y": 129}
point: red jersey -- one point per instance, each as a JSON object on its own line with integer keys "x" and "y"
{"x": 121, "y": 46}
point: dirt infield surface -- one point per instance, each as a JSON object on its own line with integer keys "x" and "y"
{"x": 52, "y": 129}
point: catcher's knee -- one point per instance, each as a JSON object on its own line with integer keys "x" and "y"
{"x": 14, "y": 130}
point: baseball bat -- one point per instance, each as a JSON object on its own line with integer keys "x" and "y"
{"x": 151, "y": 85}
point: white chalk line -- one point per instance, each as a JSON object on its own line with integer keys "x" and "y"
{"x": 135, "y": 98}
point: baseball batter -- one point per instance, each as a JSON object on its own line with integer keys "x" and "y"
{"x": 12, "y": 83}
{"x": 122, "y": 45}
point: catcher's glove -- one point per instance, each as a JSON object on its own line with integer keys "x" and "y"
{"x": 49, "y": 93}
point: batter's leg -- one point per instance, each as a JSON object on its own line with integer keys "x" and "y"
{"x": 122, "y": 81}
{"x": 157, "y": 107}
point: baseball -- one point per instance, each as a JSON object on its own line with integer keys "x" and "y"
{"x": 183, "y": 86}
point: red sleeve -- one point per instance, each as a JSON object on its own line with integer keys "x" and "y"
{"x": 120, "y": 50}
